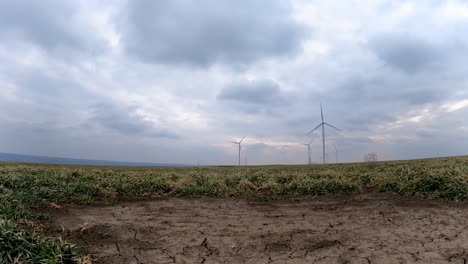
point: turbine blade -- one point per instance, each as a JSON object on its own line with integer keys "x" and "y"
{"x": 314, "y": 129}
{"x": 321, "y": 111}
{"x": 241, "y": 140}
{"x": 235, "y": 142}
{"x": 333, "y": 127}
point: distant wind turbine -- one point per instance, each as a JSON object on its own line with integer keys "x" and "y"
{"x": 239, "y": 143}
{"x": 308, "y": 152}
{"x": 323, "y": 124}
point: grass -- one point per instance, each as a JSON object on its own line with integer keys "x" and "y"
{"x": 26, "y": 190}
{"x": 19, "y": 245}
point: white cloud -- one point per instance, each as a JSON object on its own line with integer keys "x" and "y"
{"x": 454, "y": 11}
{"x": 455, "y": 105}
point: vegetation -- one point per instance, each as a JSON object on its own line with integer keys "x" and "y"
{"x": 18, "y": 245}
{"x": 26, "y": 190}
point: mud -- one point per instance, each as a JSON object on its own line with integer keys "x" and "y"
{"x": 365, "y": 228}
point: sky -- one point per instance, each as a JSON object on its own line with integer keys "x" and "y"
{"x": 176, "y": 81}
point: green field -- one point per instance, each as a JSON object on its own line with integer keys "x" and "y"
{"x": 28, "y": 190}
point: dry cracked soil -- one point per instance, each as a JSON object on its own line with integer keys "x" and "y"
{"x": 361, "y": 228}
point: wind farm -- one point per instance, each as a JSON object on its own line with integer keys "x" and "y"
{"x": 308, "y": 145}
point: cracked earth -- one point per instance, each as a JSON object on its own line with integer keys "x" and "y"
{"x": 363, "y": 228}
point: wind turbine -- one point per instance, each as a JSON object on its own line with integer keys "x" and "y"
{"x": 239, "y": 143}
{"x": 308, "y": 152}
{"x": 323, "y": 124}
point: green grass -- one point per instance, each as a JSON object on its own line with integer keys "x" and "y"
{"x": 19, "y": 245}
{"x": 26, "y": 190}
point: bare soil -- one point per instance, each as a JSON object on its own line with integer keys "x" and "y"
{"x": 361, "y": 228}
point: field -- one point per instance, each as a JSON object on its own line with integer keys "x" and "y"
{"x": 214, "y": 214}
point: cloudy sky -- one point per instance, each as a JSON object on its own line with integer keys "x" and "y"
{"x": 177, "y": 80}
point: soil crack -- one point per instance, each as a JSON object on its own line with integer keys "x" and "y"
{"x": 136, "y": 258}
{"x": 118, "y": 248}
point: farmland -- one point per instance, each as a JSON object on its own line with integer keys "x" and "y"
{"x": 34, "y": 197}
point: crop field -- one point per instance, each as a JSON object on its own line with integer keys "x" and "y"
{"x": 73, "y": 214}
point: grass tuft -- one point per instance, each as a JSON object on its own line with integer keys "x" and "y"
{"x": 19, "y": 245}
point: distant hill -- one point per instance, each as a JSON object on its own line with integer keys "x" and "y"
{"x": 69, "y": 161}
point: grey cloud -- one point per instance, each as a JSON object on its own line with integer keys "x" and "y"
{"x": 44, "y": 88}
{"x": 349, "y": 141}
{"x": 253, "y": 92}
{"x": 389, "y": 89}
{"x": 361, "y": 121}
{"x": 427, "y": 134}
{"x": 260, "y": 98}
{"x": 42, "y": 98}
{"x": 407, "y": 53}
{"x": 257, "y": 147}
{"x": 423, "y": 97}
{"x": 126, "y": 121}
{"x": 53, "y": 25}
{"x": 208, "y": 32}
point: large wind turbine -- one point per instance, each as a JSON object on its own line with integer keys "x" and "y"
{"x": 308, "y": 152}
{"x": 323, "y": 124}
{"x": 239, "y": 143}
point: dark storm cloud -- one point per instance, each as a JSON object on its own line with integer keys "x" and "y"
{"x": 203, "y": 33}
{"x": 404, "y": 52}
{"x": 254, "y": 92}
{"x": 126, "y": 121}
{"x": 49, "y": 24}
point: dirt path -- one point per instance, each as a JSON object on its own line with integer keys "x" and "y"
{"x": 366, "y": 228}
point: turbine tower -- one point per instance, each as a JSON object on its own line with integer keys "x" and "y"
{"x": 239, "y": 143}
{"x": 308, "y": 152}
{"x": 336, "y": 153}
{"x": 323, "y": 124}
